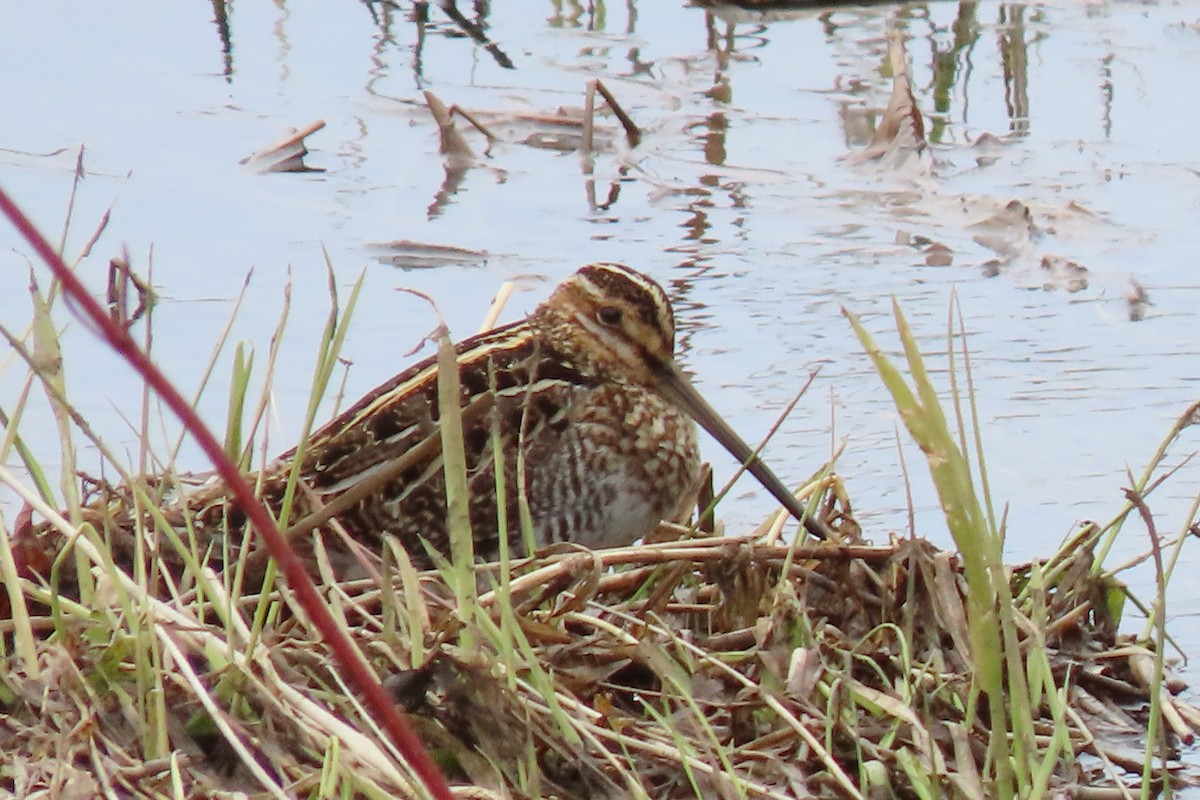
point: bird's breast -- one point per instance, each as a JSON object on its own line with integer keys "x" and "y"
{"x": 627, "y": 460}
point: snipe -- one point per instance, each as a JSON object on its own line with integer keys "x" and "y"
{"x": 585, "y": 389}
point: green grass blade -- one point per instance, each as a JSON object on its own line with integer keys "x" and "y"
{"x": 978, "y": 547}
{"x": 454, "y": 464}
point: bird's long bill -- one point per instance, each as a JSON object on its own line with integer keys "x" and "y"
{"x": 679, "y": 390}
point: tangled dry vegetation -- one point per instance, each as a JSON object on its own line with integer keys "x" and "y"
{"x": 713, "y": 667}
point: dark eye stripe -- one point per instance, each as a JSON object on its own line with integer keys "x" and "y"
{"x": 643, "y": 296}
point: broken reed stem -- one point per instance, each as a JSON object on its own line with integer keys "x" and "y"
{"x": 633, "y": 134}
{"x": 453, "y": 145}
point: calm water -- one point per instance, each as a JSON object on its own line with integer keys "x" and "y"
{"x": 739, "y": 199}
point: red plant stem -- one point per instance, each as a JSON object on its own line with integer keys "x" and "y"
{"x": 360, "y": 673}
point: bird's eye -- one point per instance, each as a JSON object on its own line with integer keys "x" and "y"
{"x": 609, "y": 315}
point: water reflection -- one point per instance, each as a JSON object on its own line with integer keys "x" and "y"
{"x": 592, "y": 16}
{"x": 476, "y": 28}
{"x": 716, "y": 128}
{"x": 949, "y": 64}
{"x": 731, "y": 33}
{"x": 456, "y": 175}
{"x": 383, "y": 16}
{"x": 729, "y": 29}
{"x": 734, "y": 28}
{"x": 1015, "y": 60}
{"x": 568, "y": 14}
{"x": 221, "y": 19}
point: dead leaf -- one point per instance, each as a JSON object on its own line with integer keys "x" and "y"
{"x": 287, "y": 154}
{"x": 899, "y": 138}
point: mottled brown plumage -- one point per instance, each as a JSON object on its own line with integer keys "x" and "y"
{"x": 585, "y": 389}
